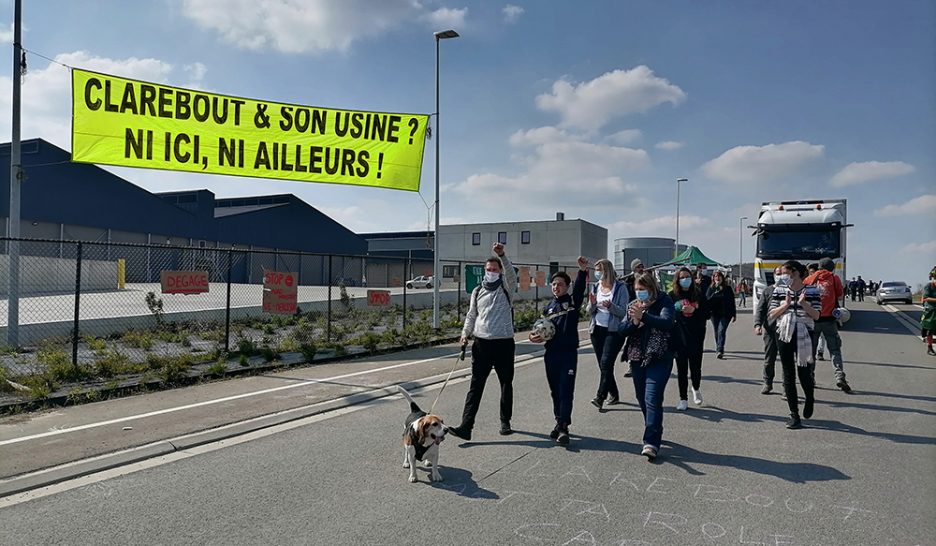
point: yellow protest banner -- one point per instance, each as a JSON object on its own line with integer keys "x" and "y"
{"x": 130, "y": 123}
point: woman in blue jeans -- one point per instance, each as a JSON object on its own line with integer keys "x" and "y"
{"x": 647, "y": 331}
{"x": 722, "y": 307}
{"x": 607, "y": 306}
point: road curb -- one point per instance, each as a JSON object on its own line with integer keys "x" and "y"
{"x": 77, "y": 469}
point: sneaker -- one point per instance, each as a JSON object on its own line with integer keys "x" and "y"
{"x": 629, "y": 372}
{"x": 597, "y": 403}
{"x": 767, "y": 389}
{"x": 808, "y": 408}
{"x": 794, "y": 423}
{"x": 697, "y": 397}
{"x": 461, "y": 432}
{"x": 820, "y": 356}
{"x": 842, "y": 384}
{"x": 613, "y": 401}
{"x": 720, "y": 356}
{"x": 505, "y": 429}
{"x": 554, "y": 433}
{"x": 930, "y": 351}
{"x": 682, "y": 405}
{"x": 563, "y": 437}
{"x": 649, "y": 452}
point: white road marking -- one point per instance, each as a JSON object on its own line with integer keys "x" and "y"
{"x": 105, "y": 475}
{"x": 225, "y": 399}
{"x": 902, "y": 319}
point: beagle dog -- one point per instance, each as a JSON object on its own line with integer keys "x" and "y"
{"x": 421, "y": 438}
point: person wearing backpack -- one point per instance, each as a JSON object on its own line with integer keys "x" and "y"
{"x": 561, "y": 358}
{"x": 490, "y": 323}
{"x": 831, "y": 292}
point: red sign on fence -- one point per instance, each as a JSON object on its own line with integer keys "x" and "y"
{"x": 378, "y": 298}
{"x": 183, "y": 282}
{"x": 280, "y": 292}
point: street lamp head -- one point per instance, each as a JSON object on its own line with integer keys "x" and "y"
{"x": 445, "y": 34}
{"x": 682, "y": 180}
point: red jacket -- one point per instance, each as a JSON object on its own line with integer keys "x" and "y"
{"x": 830, "y": 286}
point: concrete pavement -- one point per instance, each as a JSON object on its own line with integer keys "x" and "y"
{"x": 861, "y": 472}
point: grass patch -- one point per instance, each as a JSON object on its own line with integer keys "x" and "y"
{"x": 96, "y": 343}
{"x": 216, "y": 369}
{"x": 138, "y": 339}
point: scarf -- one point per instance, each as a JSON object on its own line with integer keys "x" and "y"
{"x": 787, "y": 328}
{"x": 657, "y": 344}
{"x": 493, "y": 285}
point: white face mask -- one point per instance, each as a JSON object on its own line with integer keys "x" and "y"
{"x": 491, "y": 276}
{"x": 598, "y": 275}
{"x": 783, "y": 280}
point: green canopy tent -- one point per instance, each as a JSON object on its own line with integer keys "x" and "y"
{"x": 690, "y": 257}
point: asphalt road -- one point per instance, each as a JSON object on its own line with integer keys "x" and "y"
{"x": 861, "y": 472}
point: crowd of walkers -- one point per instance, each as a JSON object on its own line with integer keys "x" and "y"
{"x": 652, "y": 329}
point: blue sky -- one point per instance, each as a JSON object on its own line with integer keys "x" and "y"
{"x": 590, "y": 108}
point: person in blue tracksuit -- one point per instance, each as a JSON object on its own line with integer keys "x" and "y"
{"x": 562, "y": 350}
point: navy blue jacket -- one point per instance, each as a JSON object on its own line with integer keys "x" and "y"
{"x": 567, "y": 337}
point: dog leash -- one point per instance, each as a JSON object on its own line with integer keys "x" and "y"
{"x": 461, "y": 357}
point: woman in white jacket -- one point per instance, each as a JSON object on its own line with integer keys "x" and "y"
{"x": 607, "y": 306}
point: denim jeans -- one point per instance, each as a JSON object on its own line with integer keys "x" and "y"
{"x": 649, "y": 386}
{"x": 720, "y": 326}
{"x": 829, "y": 331}
{"x": 607, "y": 345}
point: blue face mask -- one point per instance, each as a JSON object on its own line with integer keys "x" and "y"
{"x": 598, "y": 275}
{"x": 643, "y": 295}
{"x": 685, "y": 282}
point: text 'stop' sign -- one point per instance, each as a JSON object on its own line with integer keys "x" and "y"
{"x": 280, "y": 292}
{"x": 130, "y": 123}
{"x": 183, "y": 282}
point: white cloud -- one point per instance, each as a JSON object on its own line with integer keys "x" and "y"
{"x": 858, "y": 173}
{"x": 540, "y": 136}
{"x": 512, "y": 13}
{"x": 924, "y": 204}
{"x": 659, "y": 226}
{"x": 928, "y": 247}
{"x": 6, "y": 36}
{"x": 300, "y": 26}
{"x": 627, "y": 136}
{"x": 557, "y": 168}
{"x": 444, "y": 18}
{"x": 669, "y": 145}
{"x": 47, "y": 91}
{"x": 592, "y": 104}
{"x": 758, "y": 164}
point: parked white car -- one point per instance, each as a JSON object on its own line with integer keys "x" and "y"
{"x": 420, "y": 282}
{"x": 893, "y": 291}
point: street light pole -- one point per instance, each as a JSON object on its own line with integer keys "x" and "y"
{"x": 678, "y": 180}
{"x": 16, "y": 182}
{"x": 740, "y": 245}
{"x": 436, "y": 274}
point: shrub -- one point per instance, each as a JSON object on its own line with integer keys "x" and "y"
{"x": 308, "y": 351}
{"x": 175, "y": 368}
{"x": 114, "y": 363}
{"x": 216, "y": 369}
{"x": 269, "y": 354}
{"x": 96, "y": 344}
{"x": 245, "y": 345}
{"x": 58, "y": 364}
{"x": 288, "y": 345}
{"x": 243, "y": 361}
{"x": 155, "y": 306}
{"x": 138, "y": 339}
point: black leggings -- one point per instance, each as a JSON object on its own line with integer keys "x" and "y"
{"x": 689, "y": 363}
{"x": 787, "y": 352}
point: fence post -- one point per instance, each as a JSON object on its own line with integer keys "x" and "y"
{"x": 329, "y": 321}
{"x": 459, "y": 273}
{"x": 408, "y": 267}
{"x": 227, "y": 306}
{"x": 75, "y": 332}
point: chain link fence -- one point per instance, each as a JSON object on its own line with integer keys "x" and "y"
{"x": 112, "y": 312}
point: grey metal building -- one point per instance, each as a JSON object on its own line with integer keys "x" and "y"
{"x": 650, "y": 250}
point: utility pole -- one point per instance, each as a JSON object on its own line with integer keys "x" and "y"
{"x": 16, "y": 180}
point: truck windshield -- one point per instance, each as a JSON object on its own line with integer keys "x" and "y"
{"x": 809, "y": 244}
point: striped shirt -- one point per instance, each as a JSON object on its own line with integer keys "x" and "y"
{"x": 813, "y": 298}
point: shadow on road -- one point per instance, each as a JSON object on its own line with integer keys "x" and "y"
{"x": 684, "y": 457}
{"x": 460, "y": 481}
{"x": 887, "y": 365}
{"x": 837, "y": 426}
